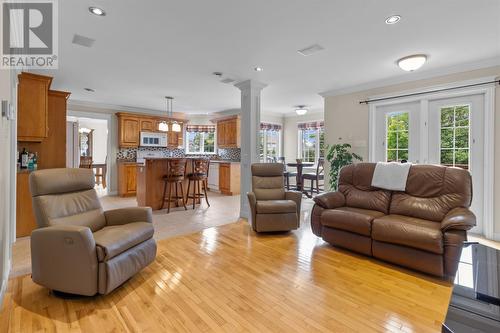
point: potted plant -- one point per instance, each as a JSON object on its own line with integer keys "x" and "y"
{"x": 338, "y": 156}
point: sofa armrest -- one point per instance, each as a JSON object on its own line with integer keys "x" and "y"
{"x": 128, "y": 215}
{"x": 294, "y": 196}
{"x": 458, "y": 219}
{"x": 252, "y": 202}
{"x": 330, "y": 200}
{"x": 64, "y": 258}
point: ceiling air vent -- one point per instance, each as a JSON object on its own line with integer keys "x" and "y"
{"x": 311, "y": 50}
{"x": 227, "y": 80}
{"x": 83, "y": 41}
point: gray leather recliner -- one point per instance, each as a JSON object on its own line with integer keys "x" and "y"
{"x": 78, "y": 248}
{"x": 272, "y": 208}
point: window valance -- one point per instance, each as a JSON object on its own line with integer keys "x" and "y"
{"x": 270, "y": 127}
{"x": 200, "y": 128}
{"x": 312, "y": 125}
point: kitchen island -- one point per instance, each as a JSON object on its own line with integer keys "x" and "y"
{"x": 150, "y": 184}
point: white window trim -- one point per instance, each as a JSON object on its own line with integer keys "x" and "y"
{"x": 299, "y": 142}
{"x": 280, "y": 135}
{"x": 186, "y": 147}
{"x": 489, "y": 133}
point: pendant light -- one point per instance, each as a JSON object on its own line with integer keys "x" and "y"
{"x": 176, "y": 127}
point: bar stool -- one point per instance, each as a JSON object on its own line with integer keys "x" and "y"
{"x": 199, "y": 178}
{"x": 176, "y": 171}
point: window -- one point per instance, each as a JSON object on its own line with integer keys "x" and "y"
{"x": 454, "y": 140}
{"x": 200, "y": 139}
{"x": 311, "y": 141}
{"x": 397, "y": 130}
{"x": 270, "y": 142}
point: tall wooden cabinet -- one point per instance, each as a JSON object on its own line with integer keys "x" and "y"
{"x": 32, "y": 107}
{"x": 41, "y": 118}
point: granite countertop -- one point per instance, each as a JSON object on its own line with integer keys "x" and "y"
{"x": 224, "y": 161}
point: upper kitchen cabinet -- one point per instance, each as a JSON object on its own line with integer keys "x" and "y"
{"x": 148, "y": 125}
{"x": 32, "y": 107}
{"x": 228, "y": 132}
{"x": 129, "y": 128}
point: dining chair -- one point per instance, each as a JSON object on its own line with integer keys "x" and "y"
{"x": 315, "y": 176}
{"x": 286, "y": 173}
{"x": 86, "y": 162}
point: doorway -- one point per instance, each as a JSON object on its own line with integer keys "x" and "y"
{"x": 448, "y": 129}
{"x": 87, "y": 147}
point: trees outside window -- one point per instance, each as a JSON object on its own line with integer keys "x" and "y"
{"x": 200, "y": 140}
{"x": 311, "y": 141}
{"x": 454, "y": 142}
{"x": 397, "y": 136}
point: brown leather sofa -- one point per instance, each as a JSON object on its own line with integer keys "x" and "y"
{"x": 79, "y": 248}
{"x": 272, "y": 208}
{"x": 422, "y": 228}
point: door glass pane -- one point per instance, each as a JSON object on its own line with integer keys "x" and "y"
{"x": 397, "y": 136}
{"x": 455, "y": 133}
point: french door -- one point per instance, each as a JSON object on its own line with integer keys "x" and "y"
{"x": 446, "y": 131}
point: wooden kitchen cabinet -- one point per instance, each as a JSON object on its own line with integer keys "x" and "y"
{"x": 32, "y": 107}
{"x": 148, "y": 125}
{"x": 229, "y": 178}
{"x": 228, "y": 133}
{"x": 127, "y": 179}
{"x": 130, "y": 126}
{"x": 128, "y": 130}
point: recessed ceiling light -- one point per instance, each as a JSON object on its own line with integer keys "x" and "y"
{"x": 392, "y": 19}
{"x": 97, "y": 11}
{"x": 412, "y": 63}
{"x": 301, "y": 110}
{"x": 258, "y": 69}
{"x": 89, "y": 89}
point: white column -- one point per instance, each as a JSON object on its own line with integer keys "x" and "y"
{"x": 250, "y": 127}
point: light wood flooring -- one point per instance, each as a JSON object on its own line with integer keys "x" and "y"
{"x": 229, "y": 279}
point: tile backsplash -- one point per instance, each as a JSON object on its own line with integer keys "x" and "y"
{"x": 233, "y": 154}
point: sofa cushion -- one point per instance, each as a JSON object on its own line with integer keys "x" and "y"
{"x": 355, "y": 220}
{"x": 408, "y": 231}
{"x": 276, "y": 206}
{"x": 113, "y": 240}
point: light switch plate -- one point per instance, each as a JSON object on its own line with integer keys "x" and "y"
{"x": 7, "y": 110}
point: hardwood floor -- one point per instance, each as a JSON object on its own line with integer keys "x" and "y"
{"x": 229, "y": 279}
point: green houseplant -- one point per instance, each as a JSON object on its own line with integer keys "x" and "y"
{"x": 338, "y": 156}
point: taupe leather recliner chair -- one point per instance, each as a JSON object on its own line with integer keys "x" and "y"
{"x": 79, "y": 248}
{"x": 272, "y": 208}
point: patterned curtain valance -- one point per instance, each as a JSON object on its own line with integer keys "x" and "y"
{"x": 200, "y": 128}
{"x": 312, "y": 125}
{"x": 270, "y": 127}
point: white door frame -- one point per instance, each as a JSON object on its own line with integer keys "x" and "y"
{"x": 489, "y": 133}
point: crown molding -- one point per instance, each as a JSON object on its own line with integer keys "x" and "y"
{"x": 414, "y": 76}
{"x": 85, "y": 105}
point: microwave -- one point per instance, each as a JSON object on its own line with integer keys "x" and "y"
{"x": 153, "y": 139}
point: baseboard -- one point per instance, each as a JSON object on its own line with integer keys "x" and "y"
{"x": 496, "y": 236}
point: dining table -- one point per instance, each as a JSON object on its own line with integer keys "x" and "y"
{"x": 300, "y": 167}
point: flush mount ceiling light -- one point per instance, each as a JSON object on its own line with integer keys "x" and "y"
{"x": 301, "y": 110}
{"x": 97, "y": 11}
{"x": 392, "y": 19}
{"x": 258, "y": 69}
{"x": 412, "y": 63}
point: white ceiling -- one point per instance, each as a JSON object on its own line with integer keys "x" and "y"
{"x": 145, "y": 50}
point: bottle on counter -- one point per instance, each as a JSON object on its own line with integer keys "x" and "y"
{"x": 35, "y": 161}
{"x": 24, "y": 159}
{"x": 31, "y": 157}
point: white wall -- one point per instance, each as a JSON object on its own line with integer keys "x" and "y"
{"x": 7, "y": 180}
{"x": 346, "y": 121}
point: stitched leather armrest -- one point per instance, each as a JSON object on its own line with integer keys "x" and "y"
{"x": 330, "y": 200}
{"x": 458, "y": 219}
{"x": 294, "y": 196}
{"x": 128, "y": 215}
{"x": 63, "y": 258}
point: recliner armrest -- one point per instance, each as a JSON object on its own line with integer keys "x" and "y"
{"x": 459, "y": 219}
{"x": 63, "y": 258}
{"x": 128, "y": 215}
{"x": 294, "y": 196}
{"x": 330, "y": 200}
